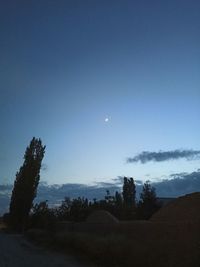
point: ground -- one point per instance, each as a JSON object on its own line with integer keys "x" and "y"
{"x": 15, "y": 251}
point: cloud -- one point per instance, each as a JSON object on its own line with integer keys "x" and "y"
{"x": 176, "y": 185}
{"x": 44, "y": 167}
{"x": 56, "y": 193}
{"x": 120, "y": 180}
{"x": 105, "y": 184}
{"x": 147, "y": 156}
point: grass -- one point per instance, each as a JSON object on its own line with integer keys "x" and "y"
{"x": 156, "y": 247}
{"x": 139, "y": 244}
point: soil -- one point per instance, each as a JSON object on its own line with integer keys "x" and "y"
{"x": 15, "y": 251}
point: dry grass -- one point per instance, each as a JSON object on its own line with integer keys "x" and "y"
{"x": 135, "y": 249}
{"x": 170, "y": 239}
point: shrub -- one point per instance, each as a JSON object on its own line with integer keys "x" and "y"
{"x": 42, "y": 217}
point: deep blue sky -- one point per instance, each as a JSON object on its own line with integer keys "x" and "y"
{"x": 66, "y": 66}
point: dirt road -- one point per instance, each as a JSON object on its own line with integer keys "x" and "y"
{"x": 15, "y": 251}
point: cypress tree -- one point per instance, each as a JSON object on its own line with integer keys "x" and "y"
{"x": 129, "y": 192}
{"x": 148, "y": 203}
{"x": 26, "y": 183}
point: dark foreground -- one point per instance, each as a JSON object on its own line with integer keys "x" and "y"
{"x": 15, "y": 251}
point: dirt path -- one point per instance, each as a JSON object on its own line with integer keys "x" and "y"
{"x": 15, "y": 251}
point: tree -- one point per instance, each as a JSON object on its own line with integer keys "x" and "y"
{"x": 79, "y": 209}
{"x": 129, "y": 192}
{"x": 63, "y": 211}
{"x": 118, "y": 199}
{"x": 110, "y": 200}
{"x": 42, "y": 217}
{"x": 26, "y": 183}
{"x": 148, "y": 203}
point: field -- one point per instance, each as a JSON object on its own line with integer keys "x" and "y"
{"x": 138, "y": 244}
{"x": 171, "y": 238}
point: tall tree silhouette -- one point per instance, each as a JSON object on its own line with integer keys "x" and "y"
{"x": 129, "y": 192}
{"x": 26, "y": 183}
{"x": 148, "y": 203}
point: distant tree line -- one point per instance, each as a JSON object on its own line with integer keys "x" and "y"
{"x": 23, "y": 213}
{"x": 122, "y": 205}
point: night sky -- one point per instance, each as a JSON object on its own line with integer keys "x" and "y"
{"x": 99, "y": 81}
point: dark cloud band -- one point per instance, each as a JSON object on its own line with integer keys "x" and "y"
{"x": 176, "y": 185}
{"x": 147, "y": 156}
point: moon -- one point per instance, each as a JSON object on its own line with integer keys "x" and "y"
{"x": 107, "y": 119}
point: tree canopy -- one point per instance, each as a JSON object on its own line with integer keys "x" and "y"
{"x": 129, "y": 192}
{"x": 148, "y": 203}
{"x": 26, "y": 183}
